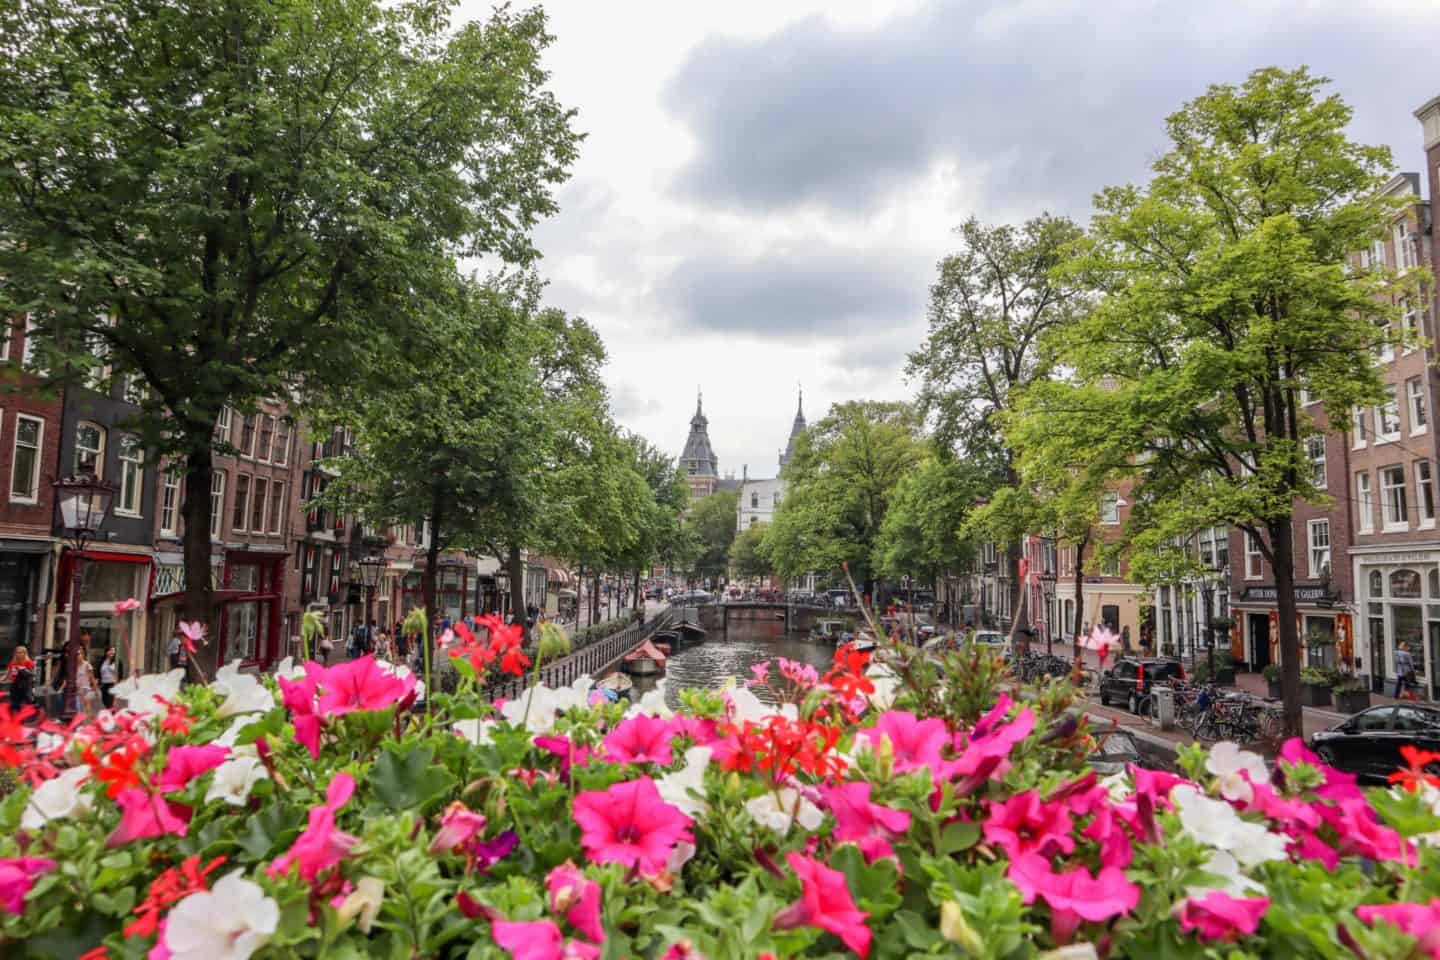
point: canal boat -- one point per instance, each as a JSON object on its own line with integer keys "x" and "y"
{"x": 668, "y": 640}
{"x": 644, "y": 660}
{"x": 831, "y": 631}
{"x": 691, "y": 633}
{"x": 617, "y": 683}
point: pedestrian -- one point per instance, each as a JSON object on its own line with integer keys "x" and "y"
{"x": 402, "y": 643}
{"x": 175, "y": 652}
{"x": 110, "y": 674}
{"x": 20, "y": 675}
{"x": 1404, "y": 671}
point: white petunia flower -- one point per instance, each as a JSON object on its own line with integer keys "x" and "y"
{"x": 680, "y": 856}
{"x": 59, "y": 798}
{"x": 675, "y": 787}
{"x": 1216, "y": 824}
{"x": 289, "y": 669}
{"x": 746, "y": 706}
{"x": 774, "y": 810}
{"x": 1231, "y": 879}
{"x": 1118, "y": 786}
{"x": 364, "y": 902}
{"x": 537, "y": 706}
{"x": 886, "y": 684}
{"x": 246, "y": 694}
{"x": 234, "y": 779}
{"x": 230, "y": 922}
{"x": 140, "y": 693}
{"x": 1227, "y": 762}
{"x": 652, "y": 702}
{"x": 475, "y": 730}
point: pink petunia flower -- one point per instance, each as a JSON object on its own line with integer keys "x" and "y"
{"x": 1338, "y": 786}
{"x": 759, "y": 676}
{"x": 538, "y": 940}
{"x": 914, "y": 743}
{"x": 361, "y": 685}
{"x": 457, "y": 826}
{"x": 629, "y": 823}
{"x": 1108, "y": 824}
{"x": 193, "y": 633}
{"x": 858, "y": 820}
{"x": 703, "y": 730}
{"x": 17, "y": 876}
{"x": 1075, "y": 895}
{"x": 123, "y": 607}
{"x": 299, "y": 697}
{"x": 183, "y": 764}
{"x": 143, "y": 815}
{"x": 1026, "y": 824}
{"x": 1362, "y": 833}
{"x": 1219, "y": 917}
{"x": 640, "y": 739}
{"x": 825, "y": 902}
{"x": 1419, "y": 920}
{"x": 985, "y": 752}
{"x": 321, "y": 846}
{"x": 578, "y": 898}
{"x": 569, "y": 754}
{"x": 683, "y": 950}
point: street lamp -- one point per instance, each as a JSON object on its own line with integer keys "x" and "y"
{"x": 370, "y": 569}
{"x": 84, "y": 500}
{"x": 1047, "y": 587}
{"x": 1209, "y": 582}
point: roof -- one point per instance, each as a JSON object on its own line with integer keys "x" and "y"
{"x": 698, "y": 458}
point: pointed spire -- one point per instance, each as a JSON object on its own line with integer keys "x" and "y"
{"x": 800, "y": 405}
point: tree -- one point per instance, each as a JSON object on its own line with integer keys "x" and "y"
{"x": 658, "y": 525}
{"x": 230, "y": 200}
{"x": 747, "y": 553}
{"x": 922, "y": 534}
{"x": 840, "y": 483}
{"x": 713, "y": 520}
{"x": 1226, "y": 296}
{"x": 992, "y": 313}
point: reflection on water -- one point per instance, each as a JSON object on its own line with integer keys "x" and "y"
{"x": 731, "y": 655}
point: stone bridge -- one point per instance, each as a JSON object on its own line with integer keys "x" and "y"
{"x": 798, "y": 617}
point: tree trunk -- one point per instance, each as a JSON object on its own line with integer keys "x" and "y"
{"x": 1283, "y": 563}
{"x": 1019, "y": 615}
{"x": 198, "y": 603}
{"x": 595, "y": 599}
{"x": 635, "y": 597}
{"x": 1080, "y": 592}
{"x": 432, "y": 559}
{"x": 515, "y": 568}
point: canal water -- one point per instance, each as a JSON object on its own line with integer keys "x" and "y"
{"x": 731, "y": 654}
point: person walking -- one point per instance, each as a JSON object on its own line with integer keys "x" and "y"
{"x": 110, "y": 674}
{"x": 1404, "y": 671}
{"x": 20, "y": 675}
{"x": 175, "y": 651}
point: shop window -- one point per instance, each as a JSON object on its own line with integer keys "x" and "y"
{"x": 132, "y": 471}
{"x": 1377, "y": 584}
{"x": 245, "y": 577}
{"x": 1320, "y": 641}
{"x": 105, "y": 582}
{"x": 244, "y": 625}
{"x": 1405, "y": 584}
{"x": 25, "y": 464}
{"x": 1392, "y": 496}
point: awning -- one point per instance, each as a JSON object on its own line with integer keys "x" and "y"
{"x": 560, "y": 575}
{"x": 26, "y": 546}
{"x": 67, "y": 568}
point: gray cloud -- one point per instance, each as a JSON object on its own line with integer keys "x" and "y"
{"x": 799, "y": 294}
{"x": 1049, "y": 106}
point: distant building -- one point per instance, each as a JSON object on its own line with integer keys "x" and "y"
{"x": 702, "y": 469}
{"x": 796, "y": 428}
{"x": 759, "y": 497}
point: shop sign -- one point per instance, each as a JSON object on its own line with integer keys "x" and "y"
{"x": 1414, "y": 556}
{"x": 1316, "y": 595}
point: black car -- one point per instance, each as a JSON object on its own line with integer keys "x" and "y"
{"x": 1131, "y": 680}
{"x": 1368, "y": 744}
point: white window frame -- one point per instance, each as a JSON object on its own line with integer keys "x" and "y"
{"x": 99, "y": 453}
{"x": 1108, "y": 500}
{"x": 1415, "y": 397}
{"x": 1254, "y": 559}
{"x": 1404, "y": 249}
{"x": 277, "y": 506}
{"x": 1393, "y": 494}
{"x": 1390, "y": 410}
{"x": 10, "y": 329}
{"x": 169, "y": 503}
{"x": 1357, "y": 427}
{"x": 1365, "y": 500}
{"x": 1385, "y": 348}
{"x": 130, "y": 460}
{"x": 223, "y": 421}
{"x": 1319, "y": 553}
{"x": 217, "y": 503}
{"x": 1424, "y": 495}
{"x": 1318, "y": 473}
{"x": 27, "y": 347}
{"x": 243, "y": 515}
{"x": 34, "y": 485}
{"x": 1378, "y": 254}
{"x": 254, "y": 430}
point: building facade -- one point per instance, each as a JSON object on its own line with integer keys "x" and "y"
{"x": 702, "y": 469}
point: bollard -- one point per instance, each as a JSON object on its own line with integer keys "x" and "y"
{"x": 1164, "y": 708}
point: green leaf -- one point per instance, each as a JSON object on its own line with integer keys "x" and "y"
{"x": 410, "y": 781}
{"x": 960, "y": 835}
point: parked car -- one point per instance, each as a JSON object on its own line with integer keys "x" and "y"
{"x": 1131, "y": 680}
{"x": 992, "y": 640}
{"x": 1368, "y": 744}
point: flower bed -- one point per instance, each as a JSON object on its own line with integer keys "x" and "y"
{"x": 897, "y": 810}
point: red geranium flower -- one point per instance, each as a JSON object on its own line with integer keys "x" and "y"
{"x": 169, "y": 888}
{"x": 1416, "y": 771}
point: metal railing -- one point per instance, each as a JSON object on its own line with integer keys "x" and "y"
{"x": 592, "y": 659}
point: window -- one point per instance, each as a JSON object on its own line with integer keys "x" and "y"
{"x": 89, "y": 449}
{"x": 1253, "y": 557}
{"x": 1315, "y": 450}
{"x": 28, "y": 349}
{"x": 754, "y": 501}
{"x": 1424, "y": 493}
{"x": 242, "y": 502}
{"x": 1365, "y": 502}
{"x": 775, "y": 499}
{"x": 1415, "y": 390}
{"x": 1110, "y": 507}
{"x": 277, "y": 506}
{"x": 132, "y": 471}
{"x": 752, "y": 520}
{"x": 25, "y": 466}
{"x": 1307, "y": 398}
{"x": 257, "y": 506}
{"x": 1387, "y": 416}
{"x": 1377, "y": 253}
{"x": 135, "y": 388}
{"x": 169, "y": 503}
{"x": 267, "y": 437}
{"x": 1410, "y": 323}
{"x": 222, "y": 425}
{"x": 1110, "y": 566}
{"x": 282, "y": 442}
{"x": 1319, "y": 547}
{"x": 1404, "y": 250}
{"x": 1384, "y": 342}
{"x": 247, "y": 435}
{"x": 217, "y": 501}
{"x": 1392, "y": 495}
{"x": 1357, "y": 427}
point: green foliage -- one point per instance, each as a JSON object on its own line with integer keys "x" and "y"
{"x": 747, "y": 553}
{"x": 712, "y": 522}
{"x": 921, "y": 534}
{"x": 594, "y": 634}
{"x": 841, "y": 481}
{"x": 553, "y": 642}
{"x": 405, "y": 779}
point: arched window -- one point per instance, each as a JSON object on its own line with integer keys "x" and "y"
{"x": 1377, "y": 584}
{"x": 1405, "y": 584}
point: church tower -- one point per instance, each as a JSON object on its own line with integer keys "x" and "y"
{"x": 796, "y": 428}
{"x": 702, "y": 470}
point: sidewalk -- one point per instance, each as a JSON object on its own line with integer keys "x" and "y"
{"x": 653, "y": 608}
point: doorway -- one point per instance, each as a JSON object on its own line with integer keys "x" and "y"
{"x": 1259, "y": 641}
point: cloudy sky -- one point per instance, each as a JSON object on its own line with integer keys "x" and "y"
{"x": 767, "y": 184}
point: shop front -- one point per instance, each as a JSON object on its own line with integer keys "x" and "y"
{"x": 1325, "y": 625}
{"x": 106, "y": 577}
{"x": 452, "y": 582}
{"x": 1399, "y": 600}
{"x": 251, "y": 606}
{"x": 24, "y": 566}
{"x": 167, "y": 593}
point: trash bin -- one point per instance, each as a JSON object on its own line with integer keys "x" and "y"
{"x": 1164, "y": 708}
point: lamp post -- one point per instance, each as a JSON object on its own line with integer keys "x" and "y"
{"x": 370, "y": 569}
{"x": 84, "y": 501}
{"x": 1047, "y": 586}
{"x": 1210, "y": 580}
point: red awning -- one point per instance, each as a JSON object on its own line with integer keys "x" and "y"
{"x": 67, "y": 569}
{"x": 112, "y": 556}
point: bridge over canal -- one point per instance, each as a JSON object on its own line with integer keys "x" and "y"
{"x": 798, "y": 617}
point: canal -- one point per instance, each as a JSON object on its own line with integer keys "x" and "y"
{"x": 731, "y": 654}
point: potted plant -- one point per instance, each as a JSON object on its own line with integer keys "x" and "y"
{"x": 1351, "y": 694}
{"x": 1224, "y": 669}
{"x": 1315, "y": 686}
{"x": 1272, "y": 678}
